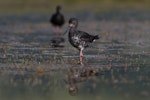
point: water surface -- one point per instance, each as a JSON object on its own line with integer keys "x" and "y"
{"x": 114, "y": 67}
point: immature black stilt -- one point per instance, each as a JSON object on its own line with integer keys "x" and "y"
{"x": 79, "y": 39}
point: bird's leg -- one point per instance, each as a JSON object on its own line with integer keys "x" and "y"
{"x": 81, "y": 56}
{"x": 58, "y": 30}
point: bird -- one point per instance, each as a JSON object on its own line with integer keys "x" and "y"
{"x": 57, "y": 19}
{"x": 79, "y": 39}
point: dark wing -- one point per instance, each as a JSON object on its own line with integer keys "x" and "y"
{"x": 62, "y": 19}
{"x": 52, "y": 18}
{"x": 57, "y": 19}
{"x": 85, "y": 36}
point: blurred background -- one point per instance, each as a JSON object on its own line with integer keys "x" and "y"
{"x": 116, "y": 67}
{"x": 21, "y": 6}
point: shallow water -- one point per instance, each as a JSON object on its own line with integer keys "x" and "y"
{"x": 114, "y": 67}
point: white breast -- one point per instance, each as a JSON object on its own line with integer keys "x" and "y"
{"x": 76, "y": 39}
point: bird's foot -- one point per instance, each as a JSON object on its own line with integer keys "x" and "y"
{"x": 80, "y": 63}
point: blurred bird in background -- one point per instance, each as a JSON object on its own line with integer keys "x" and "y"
{"x": 57, "y": 20}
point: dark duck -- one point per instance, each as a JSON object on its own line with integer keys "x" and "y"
{"x": 79, "y": 39}
{"x": 57, "y": 19}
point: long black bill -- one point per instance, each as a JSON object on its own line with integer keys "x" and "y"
{"x": 66, "y": 30}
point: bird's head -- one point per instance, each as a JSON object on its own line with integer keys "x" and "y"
{"x": 58, "y": 8}
{"x": 73, "y": 23}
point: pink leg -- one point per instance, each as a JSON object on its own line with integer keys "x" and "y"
{"x": 58, "y": 31}
{"x": 81, "y": 56}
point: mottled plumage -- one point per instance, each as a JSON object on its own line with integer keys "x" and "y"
{"x": 79, "y": 39}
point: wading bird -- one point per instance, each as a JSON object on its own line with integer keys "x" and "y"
{"x": 79, "y": 39}
{"x": 57, "y": 20}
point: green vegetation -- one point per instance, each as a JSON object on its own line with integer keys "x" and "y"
{"x": 7, "y": 6}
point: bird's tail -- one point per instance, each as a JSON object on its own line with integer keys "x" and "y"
{"x": 96, "y": 37}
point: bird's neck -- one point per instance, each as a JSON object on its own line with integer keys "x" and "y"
{"x": 57, "y": 10}
{"x": 72, "y": 31}
{"x": 73, "y": 28}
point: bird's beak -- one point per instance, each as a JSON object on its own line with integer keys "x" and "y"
{"x": 66, "y": 31}
{"x": 70, "y": 25}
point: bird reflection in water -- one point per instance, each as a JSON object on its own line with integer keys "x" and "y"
{"x": 77, "y": 75}
{"x": 57, "y": 41}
